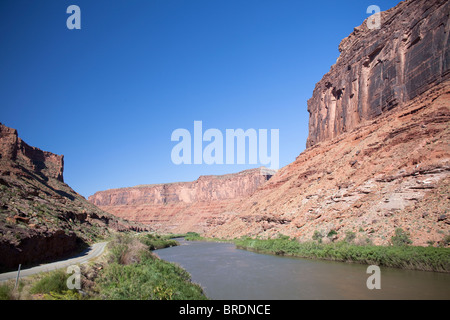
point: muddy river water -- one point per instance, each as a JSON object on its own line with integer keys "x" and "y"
{"x": 228, "y": 273}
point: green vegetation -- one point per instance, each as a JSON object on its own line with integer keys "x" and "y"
{"x": 6, "y": 292}
{"x": 349, "y": 236}
{"x": 53, "y": 286}
{"x": 403, "y": 256}
{"x": 401, "y": 238}
{"x": 52, "y": 282}
{"x": 317, "y": 236}
{"x": 151, "y": 278}
{"x": 331, "y": 234}
{"x": 446, "y": 240}
{"x": 155, "y": 241}
{"x": 135, "y": 273}
{"x": 128, "y": 271}
{"x": 194, "y": 236}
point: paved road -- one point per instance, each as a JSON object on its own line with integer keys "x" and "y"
{"x": 90, "y": 253}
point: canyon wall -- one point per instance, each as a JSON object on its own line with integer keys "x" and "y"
{"x": 378, "y": 155}
{"x": 393, "y": 172}
{"x": 181, "y": 206}
{"x": 13, "y": 148}
{"x": 381, "y": 69}
{"x": 41, "y": 217}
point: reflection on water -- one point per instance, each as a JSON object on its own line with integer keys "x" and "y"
{"x": 229, "y": 273}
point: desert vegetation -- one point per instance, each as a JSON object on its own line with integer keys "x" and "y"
{"x": 133, "y": 272}
{"x": 127, "y": 271}
{"x": 399, "y": 255}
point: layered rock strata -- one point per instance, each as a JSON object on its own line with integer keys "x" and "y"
{"x": 182, "y": 206}
{"x": 382, "y": 69}
{"x": 393, "y": 172}
{"x": 377, "y": 157}
{"x": 378, "y": 154}
{"x": 41, "y": 217}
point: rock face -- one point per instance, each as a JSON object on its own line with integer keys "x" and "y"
{"x": 393, "y": 172}
{"x": 378, "y": 155}
{"x": 182, "y": 206}
{"x": 43, "y": 163}
{"x": 41, "y": 217}
{"x": 382, "y": 69}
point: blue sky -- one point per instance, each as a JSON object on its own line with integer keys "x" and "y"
{"x": 110, "y": 95}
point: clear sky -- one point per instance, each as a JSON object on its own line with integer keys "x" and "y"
{"x": 109, "y": 96}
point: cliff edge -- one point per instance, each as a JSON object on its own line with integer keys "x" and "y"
{"x": 382, "y": 69}
{"x": 181, "y": 206}
{"x": 377, "y": 155}
{"x": 41, "y": 217}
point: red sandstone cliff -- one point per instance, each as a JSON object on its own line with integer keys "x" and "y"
{"x": 182, "y": 206}
{"x": 41, "y": 217}
{"x": 378, "y": 156}
{"x": 381, "y": 69}
{"x": 392, "y": 172}
{"x": 15, "y": 150}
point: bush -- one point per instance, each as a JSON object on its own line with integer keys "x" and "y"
{"x": 150, "y": 279}
{"x": 193, "y": 236}
{"x": 144, "y": 276}
{"x": 65, "y": 295}
{"x": 317, "y": 236}
{"x": 406, "y": 257}
{"x": 6, "y": 292}
{"x": 125, "y": 249}
{"x": 52, "y": 282}
{"x": 401, "y": 238}
{"x": 154, "y": 241}
{"x": 349, "y": 236}
{"x": 446, "y": 240}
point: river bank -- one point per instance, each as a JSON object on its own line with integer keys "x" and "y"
{"x": 401, "y": 256}
{"x": 228, "y": 273}
{"x": 129, "y": 270}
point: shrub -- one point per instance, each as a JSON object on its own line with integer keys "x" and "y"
{"x": 125, "y": 249}
{"x": 151, "y": 278}
{"x": 193, "y": 236}
{"x": 446, "y": 240}
{"x": 349, "y": 236}
{"x": 154, "y": 241}
{"x": 407, "y": 257}
{"x": 65, "y": 295}
{"x": 6, "y": 292}
{"x": 317, "y": 236}
{"x": 135, "y": 273}
{"x": 331, "y": 235}
{"x": 401, "y": 238}
{"x": 52, "y": 282}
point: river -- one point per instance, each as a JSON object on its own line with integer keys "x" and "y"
{"x": 227, "y": 273}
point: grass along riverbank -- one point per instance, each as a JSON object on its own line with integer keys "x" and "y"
{"x": 127, "y": 271}
{"x": 399, "y": 256}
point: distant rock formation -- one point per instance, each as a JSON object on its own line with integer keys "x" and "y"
{"x": 41, "y": 217}
{"x": 382, "y": 69}
{"x": 181, "y": 206}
